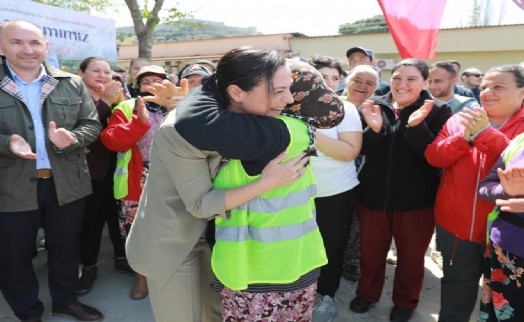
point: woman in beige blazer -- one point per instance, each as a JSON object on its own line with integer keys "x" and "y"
{"x": 166, "y": 239}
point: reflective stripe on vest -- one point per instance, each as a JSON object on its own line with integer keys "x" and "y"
{"x": 121, "y": 176}
{"x": 266, "y": 235}
{"x": 273, "y": 238}
{"x": 277, "y": 204}
{"x": 515, "y": 146}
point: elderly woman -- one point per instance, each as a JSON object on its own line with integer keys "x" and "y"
{"x": 397, "y": 188}
{"x": 130, "y": 132}
{"x": 362, "y": 82}
{"x": 467, "y": 147}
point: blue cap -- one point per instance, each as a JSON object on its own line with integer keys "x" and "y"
{"x": 363, "y": 50}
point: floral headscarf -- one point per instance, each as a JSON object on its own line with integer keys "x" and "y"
{"x": 314, "y": 102}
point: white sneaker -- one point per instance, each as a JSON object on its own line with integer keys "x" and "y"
{"x": 325, "y": 310}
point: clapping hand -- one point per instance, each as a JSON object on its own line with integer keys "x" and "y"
{"x": 141, "y": 110}
{"x": 372, "y": 115}
{"x": 60, "y": 137}
{"x": 112, "y": 93}
{"x": 420, "y": 114}
{"x": 473, "y": 120}
{"x": 20, "y": 147}
{"x": 512, "y": 180}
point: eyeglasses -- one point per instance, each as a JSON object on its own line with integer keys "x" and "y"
{"x": 358, "y": 59}
{"x": 476, "y": 75}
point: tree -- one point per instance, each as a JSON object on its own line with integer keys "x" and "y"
{"x": 145, "y": 20}
{"x": 374, "y": 24}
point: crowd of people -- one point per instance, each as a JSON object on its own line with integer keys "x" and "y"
{"x": 245, "y": 190}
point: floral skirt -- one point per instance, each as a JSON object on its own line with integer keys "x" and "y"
{"x": 503, "y": 296}
{"x": 128, "y": 208}
{"x": 296, "y": 306}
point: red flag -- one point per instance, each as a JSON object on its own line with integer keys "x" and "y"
{"x": 414, "y": 25}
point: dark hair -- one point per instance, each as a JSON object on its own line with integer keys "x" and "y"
{"x": 447, "y": 66}
{"x": 328, "y": 62}
{"x": 244, "y": 67}
{"x": 417, "y": 63}
{"x": 454, "y": 62}
{"x": 516, "y": 70}
{"x": 85, "y": 63}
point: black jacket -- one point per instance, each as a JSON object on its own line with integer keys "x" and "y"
{"x": 205, "y": 123}
{"x": 395, "y": 175}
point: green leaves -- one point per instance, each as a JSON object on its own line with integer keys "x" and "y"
{"x": 82, "y": 5}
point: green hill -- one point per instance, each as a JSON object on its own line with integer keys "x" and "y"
{"x": 185, "y": 30}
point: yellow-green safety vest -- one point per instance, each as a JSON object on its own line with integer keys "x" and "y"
{"x": 121, "y": 176}
{"x": 273, "y": 238}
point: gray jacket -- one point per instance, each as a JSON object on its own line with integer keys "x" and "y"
{"x": 66, "y": 101}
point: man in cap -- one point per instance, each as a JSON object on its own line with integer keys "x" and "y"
{"x": 207, "y": 64}
{"x": 194, "y": 74}
{"x": 363, "y": 56}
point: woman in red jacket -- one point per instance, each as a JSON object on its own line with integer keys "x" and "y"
{"x": 130, "y": 133}
{"x": 466, "y": 148}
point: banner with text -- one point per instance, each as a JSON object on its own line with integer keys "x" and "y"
{"x": 72, "y": 35}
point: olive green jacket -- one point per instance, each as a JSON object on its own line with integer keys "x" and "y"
{"x": 66, "y": 101}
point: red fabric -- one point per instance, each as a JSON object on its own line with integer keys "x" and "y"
{"x": 122, "y": 135}
{"x": 412, "y": 231}
{"x": 414, "y": 25}
{"x": 464, "y": 166}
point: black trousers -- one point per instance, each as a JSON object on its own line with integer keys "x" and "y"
{"x": 334, "y": 215}
{"x": 18, "y": 230}
{"x": 101, "y": 208}
{"x": 462, "y": 263}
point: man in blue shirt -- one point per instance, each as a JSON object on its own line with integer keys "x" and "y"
{"x": 47, "y": 118}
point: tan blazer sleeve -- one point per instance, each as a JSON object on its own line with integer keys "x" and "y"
{"x": 191, "y": 172}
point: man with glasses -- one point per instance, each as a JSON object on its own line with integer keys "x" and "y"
{"x": 363, "y": 56}
{"x": 471, "y": 78}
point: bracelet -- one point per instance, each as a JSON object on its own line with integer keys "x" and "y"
{"x": 473, "y": 136}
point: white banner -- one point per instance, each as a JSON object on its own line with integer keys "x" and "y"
{"x": 72, "y": 35}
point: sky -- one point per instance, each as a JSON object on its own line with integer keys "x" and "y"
{"x": 316, "y": 18}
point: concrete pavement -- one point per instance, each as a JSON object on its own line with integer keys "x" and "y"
{"x": 110, "y": 295}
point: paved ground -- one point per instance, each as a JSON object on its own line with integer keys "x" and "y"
{"x": 110, "y": 295}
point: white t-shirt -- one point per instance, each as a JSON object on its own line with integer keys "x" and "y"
{"x": 335, "y": 176}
